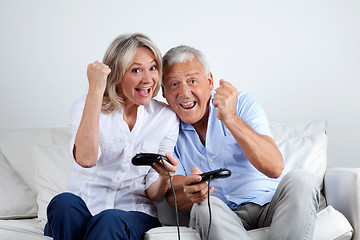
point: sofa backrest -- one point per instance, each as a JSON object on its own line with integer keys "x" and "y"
{"x": 304, "y": 146}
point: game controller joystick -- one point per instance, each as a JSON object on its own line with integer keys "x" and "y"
{"x": 219, "y": 173}
{"x": 148, "y": 159}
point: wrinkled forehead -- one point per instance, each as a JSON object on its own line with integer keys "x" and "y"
{"x": 183, "y": 69}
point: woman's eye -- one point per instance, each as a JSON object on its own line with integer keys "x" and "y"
{"x": 135, "y": 70}
{"x": 192, "y": 81}
{"x": 153, "y": 68}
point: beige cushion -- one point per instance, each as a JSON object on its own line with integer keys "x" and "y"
{"x": 330, "y": 224}
{"x": 303, "y": 146}
{"x": 53, "y": 166}
{"x": 170, "y": 232}
{"x": 16, "y": 198}
{"x": 16, "y": 146}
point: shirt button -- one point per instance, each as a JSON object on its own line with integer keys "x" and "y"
{"x": 227, "y": 196}
{"x": 211, "y": 160}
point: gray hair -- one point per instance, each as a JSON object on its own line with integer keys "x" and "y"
{"x": 118, "y": 57}
{"x": 185, "y": 53}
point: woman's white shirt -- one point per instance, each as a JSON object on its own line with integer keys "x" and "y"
{"x": 114, "y": 183}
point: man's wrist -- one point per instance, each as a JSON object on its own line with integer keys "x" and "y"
{"x": 231, "y": 121}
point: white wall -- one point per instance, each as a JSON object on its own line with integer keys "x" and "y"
{"x": 299, "y": 59}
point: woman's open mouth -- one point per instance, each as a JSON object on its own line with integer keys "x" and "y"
{"x": 144, "y": 92}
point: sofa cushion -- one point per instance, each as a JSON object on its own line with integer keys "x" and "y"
{"x": 53, "y": 167}
{"x": 16, "y": 146}
{"x": 16, "y": 198}
{"x": 330, "y": 224}
{"x": 284, "y": 131}
{"x": 21, "y": 229}
{"x": 170, "y": 232}
{"x": 303, "y": 146}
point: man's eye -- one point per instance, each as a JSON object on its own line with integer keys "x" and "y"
{"x": 173, "y": 84}
{"x": 192, "y": 81}
{"x": 136, "y": 70}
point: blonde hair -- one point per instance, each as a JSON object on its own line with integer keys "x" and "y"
{"x": 118, "y": 57}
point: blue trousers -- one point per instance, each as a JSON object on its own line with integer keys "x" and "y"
{"x": 69, "y": 218}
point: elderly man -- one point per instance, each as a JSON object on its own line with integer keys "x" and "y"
{"x": 223, "y": 128}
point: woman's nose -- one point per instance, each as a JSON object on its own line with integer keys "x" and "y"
{"x": 149, "y": 76}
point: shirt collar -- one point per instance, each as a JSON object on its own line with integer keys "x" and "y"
{"x": 149, "y": 108}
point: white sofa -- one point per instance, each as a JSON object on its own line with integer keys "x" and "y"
{"x": 35, "y": 163}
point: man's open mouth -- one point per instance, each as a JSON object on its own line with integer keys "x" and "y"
{"x": 143, "y": 91}
{"x": 188, "y": 105}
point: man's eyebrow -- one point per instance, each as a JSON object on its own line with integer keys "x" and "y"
{"x": 170, "y": 77}
{"x": 192, "y": 74}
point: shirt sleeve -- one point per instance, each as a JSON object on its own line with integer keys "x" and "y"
{"x": 151, "y": 177}
{"x": 253, "y": 114}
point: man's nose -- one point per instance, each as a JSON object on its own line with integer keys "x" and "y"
{"x": 185, "y": 90}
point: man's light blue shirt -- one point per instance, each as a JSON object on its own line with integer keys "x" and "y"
{"x": 246, "y": 184}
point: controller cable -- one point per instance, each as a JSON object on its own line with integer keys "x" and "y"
{"x": 208, "y": 234}
{"x": 176, "y": 209}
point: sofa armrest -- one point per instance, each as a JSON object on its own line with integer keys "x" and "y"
{"x": 342, "y": 191}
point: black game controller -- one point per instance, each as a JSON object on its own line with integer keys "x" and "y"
{"x": 219, "y": 173}
{"x": 148, "y": 159}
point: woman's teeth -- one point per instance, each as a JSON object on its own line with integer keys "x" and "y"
{"x": 143, "y": 91}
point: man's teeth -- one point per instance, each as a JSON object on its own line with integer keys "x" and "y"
{"x": 187, "y": 105}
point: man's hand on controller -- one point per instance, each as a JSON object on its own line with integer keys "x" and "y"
{"x": 197, "y": 193}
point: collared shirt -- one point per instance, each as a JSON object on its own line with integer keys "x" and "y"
{"x": 114, "y": 183}
{"x": 246, "y": 184}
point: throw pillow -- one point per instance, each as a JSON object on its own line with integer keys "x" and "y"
{"x": 53, "y": 166}
{"x": 18, "y": 202}
{"x": 303, "y": 146}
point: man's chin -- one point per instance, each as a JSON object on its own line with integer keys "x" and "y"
{"x": 187, "y": 120}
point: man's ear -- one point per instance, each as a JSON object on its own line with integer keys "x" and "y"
{"x": 211, "y": 80}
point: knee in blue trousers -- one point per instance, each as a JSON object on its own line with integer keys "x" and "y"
{"x": 69, "y": 218}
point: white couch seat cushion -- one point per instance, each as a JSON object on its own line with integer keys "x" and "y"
{"x": 21, "y": 229}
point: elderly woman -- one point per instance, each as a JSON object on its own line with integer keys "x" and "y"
{"x": 108, "y": 197}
